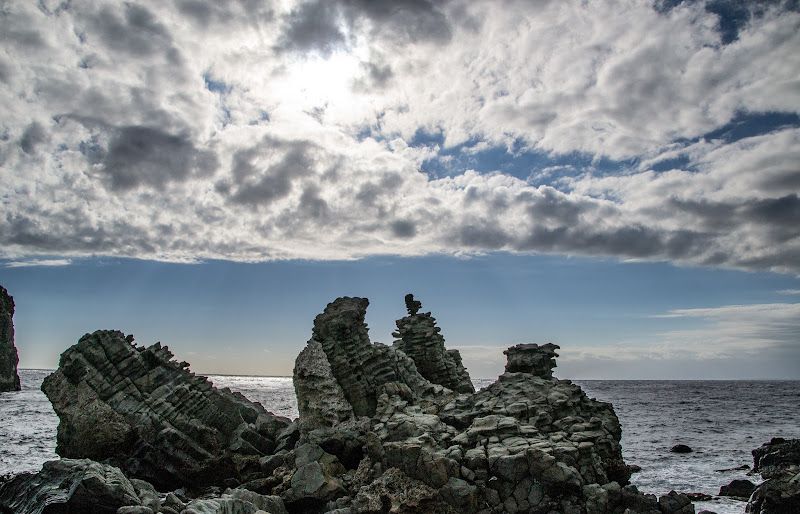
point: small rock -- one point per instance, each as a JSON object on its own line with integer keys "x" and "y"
{"x": 738, "y": 489}
{"x": 680, "y": 448}
{"x": 743, "y": 467}
{"x": 699, "y": 497}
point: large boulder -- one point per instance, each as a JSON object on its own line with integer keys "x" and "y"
{"x": 9, "y": 378}
{"x": 778, "y": 461}
{"x": 67, "y": 485}
{"x": 148, "y": 414}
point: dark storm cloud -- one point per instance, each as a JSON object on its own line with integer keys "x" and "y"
{"x": 312, "y": 205}
{"x": 135, "y": 32}
{"x": 34, "y": 135}
{"x": 313, "y": 27}
{"x": 259, "y": 184}
{"x": 318, "y": 25}
{"x": 206, "y": 14}
{"x": 142, "y": 156}
{"x": 403, "y": 229}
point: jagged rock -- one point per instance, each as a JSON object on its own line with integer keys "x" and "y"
{"x": 532, "y": 358}
{"x": 675, "y": 503}
{"x": 69, "y": 485}
{"x": 395, "y": 492}
{"x": 419, "y": 338}
{"x": 361, "y": 368}
{"x": 9, "y": 378}
{"x": 237, "y": 501}
{"x": 320, "y": 400}
{"x": 771, "y": 458}
{"x": 148, "y": 414}
{"x": 738, "y": 488}
{"x": 527, "y": 443}
{"x": 778, "y": 461}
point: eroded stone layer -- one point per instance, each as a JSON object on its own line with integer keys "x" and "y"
{"x": 420, "y": 338}
{"x": 148, "y": 414}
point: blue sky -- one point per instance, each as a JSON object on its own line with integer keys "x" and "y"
{"x": 618, "y": 177}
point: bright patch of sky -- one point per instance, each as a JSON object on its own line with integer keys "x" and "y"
{"x": 599, "y": 134}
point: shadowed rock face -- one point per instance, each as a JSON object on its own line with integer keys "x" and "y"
{"x": 527, "y": 443}
{"x": 152, "y": 417}
{"x": 9, "y": 379}
{"x": 778, "y": 461}
{"x": 361, "y": 368}
{"x": 419, "y": 338}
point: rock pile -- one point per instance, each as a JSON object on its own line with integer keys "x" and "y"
{"x": 9, "y": 379}
{"x": 149, "y": 415}
{"x": 778, "y": 461}
{"x": 419, "y": 338}
{"x": 374, "y": 435}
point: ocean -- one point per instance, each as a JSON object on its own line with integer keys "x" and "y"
{"x": 722, "y": 421}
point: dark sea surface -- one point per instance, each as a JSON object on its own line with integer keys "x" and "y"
{"x": 722, "y": 421}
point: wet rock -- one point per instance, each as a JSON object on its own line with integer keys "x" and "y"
{"x": 419, "y": 338}
{"x": 148, "y": 414}
{"x": 778, "y": 461}
{"x": 738, "y": 489}
{"x": 680, "y": 448}
{"x": 69, "y": 485}
{"x": 771, "y": 458}
{"x": 9, "y": 378}
{"x": 675, "y": 503}
{"x": 699, "y": 497}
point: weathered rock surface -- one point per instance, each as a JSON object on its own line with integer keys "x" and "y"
{"x": 68, "y": 485}
{"x": 9, "y": 378}
{"x": 321, "y": 401}
{"x": 527, "y": 443}
{"x": 419, "y": 338}
{"x": 361, "y": 368}
{"x": 778, "y": 461}
{"x": 138, "y": 409}
{"x": 738, "y": 488}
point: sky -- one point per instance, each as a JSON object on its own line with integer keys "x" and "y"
{"x": 619, "y": 177}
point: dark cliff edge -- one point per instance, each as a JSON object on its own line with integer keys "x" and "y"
{"x": 9, "y": 378}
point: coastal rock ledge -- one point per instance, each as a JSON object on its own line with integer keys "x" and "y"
{"x": 9, "y": 378}
{"x": 381, "y": 429}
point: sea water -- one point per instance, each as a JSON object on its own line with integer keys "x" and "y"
{"x": 722, "y": 421}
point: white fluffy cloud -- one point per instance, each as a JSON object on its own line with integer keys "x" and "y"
{"x": 189, "y": 130}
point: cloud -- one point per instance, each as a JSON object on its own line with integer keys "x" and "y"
{"x": 188, "y": 131}
{"x": 38, "y": 262}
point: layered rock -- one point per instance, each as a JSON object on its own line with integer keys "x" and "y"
{"x": 148, "y": 414}
{"x": 69, "y": 485}
{"x": 361, "y": 368}
{"x": 527, "y": 443}
{"x": 778, "y": 461}
{"x": 419, "y": 338}
{"x": 9, "y": 378}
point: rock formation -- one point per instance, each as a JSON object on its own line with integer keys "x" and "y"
{"x": 527, "y": 443}
{"x": 419, "y": 338}
{"x": 9, "y": 379}
{"x": 778, "y": 461}
{"x": 152, "y": 417}
{"x": 374, "y": 435}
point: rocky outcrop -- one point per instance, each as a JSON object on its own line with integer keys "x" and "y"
{"x": 419, "y": 338}
{"x": 140, "y": 410}
{"x": 9, "y": 378}
{"x": 321, "y": 401}
{"x": 69, "y": 485}
{"x": 778, "y": 461}
{"x": 738, "y": 488}
{"x": 361, "y": 368}
{"x": 527, "y": 443}
{"x": 84, "y": 486}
